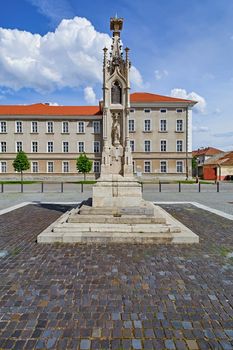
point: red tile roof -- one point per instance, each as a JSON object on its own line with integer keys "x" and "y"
{"x": 208, "y": 151}
{"x": 222, "y": 159}
{"x": 46, "y": 109}
{"x": 140, "y": 97}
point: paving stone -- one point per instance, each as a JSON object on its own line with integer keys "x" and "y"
{"x": 136, "y": 344}
{"x": 61, "y": 296}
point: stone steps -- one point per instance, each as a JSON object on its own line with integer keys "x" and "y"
{"x": 124, "y": 219}
{"x": 118, "y": 228}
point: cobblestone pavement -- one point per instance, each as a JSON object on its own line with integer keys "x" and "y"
{"x": 116, "y": 296}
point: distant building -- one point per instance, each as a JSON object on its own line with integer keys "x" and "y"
{"x": 219, "y": 167}
{"x": 202, "y": 155}
{"x": 156, "y": 129}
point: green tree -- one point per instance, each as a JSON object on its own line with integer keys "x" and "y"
{"x": 84, "y": 164}
{"x": 21, "y": 163}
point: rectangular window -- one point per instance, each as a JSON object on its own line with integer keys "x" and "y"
{"x": 163, "y": 166}
{"x": 65, "y": 146}
{"x": 96, "y": 126}
{"x": 179, "y": 125}
{"x": 179, "y": 110}
{"x": 96, "y": 146}
{"x": 179, "y": 146}
{"x": 163, "y": 110}
{"x": 65, "y": 167}
{"x": 2, "y": 127}
{"x": 147, "y": 125}
{"x": 50, "y": 167}
{"x": 35, "y": 168}
{"x": 50, "y": 146}
{"x": 3, "y": 146}
{"x": 131, "y": 125}
{"x": 147, "y": 146}
{"x": 18, "y": 127}
{"x": 2, "y": 167}
{"x": 65, "y": 127}
{"x": 19, "y": 146}
{"x": 34, "y": 147}
{"x": 132, "y": 110}
{"x": 96, "y": 166}
{"x": 81, "y": 127}
{"x": 179, "y": 166}
{"x": 163, "y": 146}
{"x": 147, "y": 110}
{"x": 163, "y": 125}
{"x": 81, "y": 148}
{"x": 132, "y": 145}
{"x": 147, "y": 166}
{"x": 34, "y": 127}
{"x": 49, "y": 127}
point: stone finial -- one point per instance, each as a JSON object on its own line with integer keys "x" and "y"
{"x": 116, "y": 24}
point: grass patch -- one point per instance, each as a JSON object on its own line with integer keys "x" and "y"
{"x": 224, "y": 251}
{"x": 86, "y": 182}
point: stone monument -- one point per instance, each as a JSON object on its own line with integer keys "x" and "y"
{"x": 117, "y": 212}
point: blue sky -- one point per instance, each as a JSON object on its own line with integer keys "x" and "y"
{"x": 51, "y": 51}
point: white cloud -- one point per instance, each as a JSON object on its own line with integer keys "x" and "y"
{"x": 200, "y": 128}
{"x": 182, "y": 93}
{"x": 90, "y": 96}
{"x": 135, "y": 77}
{"x": 53, "y": 9}
{"x": 69, "y": 57}
{"x": 160, "y": 74}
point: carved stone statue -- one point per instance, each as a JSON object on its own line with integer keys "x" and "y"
{"x": 116, "y": 93}
{"x": 116, "y": 130}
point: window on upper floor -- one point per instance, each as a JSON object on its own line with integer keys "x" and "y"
{"x": 50, "y": 146}
{"x": 34, "y": 146}
{"x": 80, "y": 147}
{"x": 3, "y": 127}
{"x": 50, "y": 127}
{"x": 147, "y": 125}
{"x": 163, "y": 125}
{"x": 131, "y": 125}
{"x": 96, "y": 126}
{"x": 163, "y": 146}
{"x": 132, "y": 145}
{"x": 18, "y": 127}
{"x": 147, "y": 110}
{"x": 3, "y": 146}
{"x": 179, "y": 146}
{"x": 65, "y": 127}
{"x": 96, "y": 166}
{"x": 147, "y": 146}
{"x": 96, "y": 146}
{"x": 179, "y": 110}
{"x": 34, "y": 127}
{"x": 163, "y": 110}
{"x": 65, "y": 146}
{"x": 81, "y": 128}
{"x": 18, "y": 146}
{"x": 179, "y": 125}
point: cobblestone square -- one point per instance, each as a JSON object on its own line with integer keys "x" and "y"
{"x": 66, "y": 296}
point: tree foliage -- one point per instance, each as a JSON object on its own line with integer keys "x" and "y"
{"x": 83, "y": 164}
{"x": 194, "y": 163}
{"x": 21, "y": 163}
